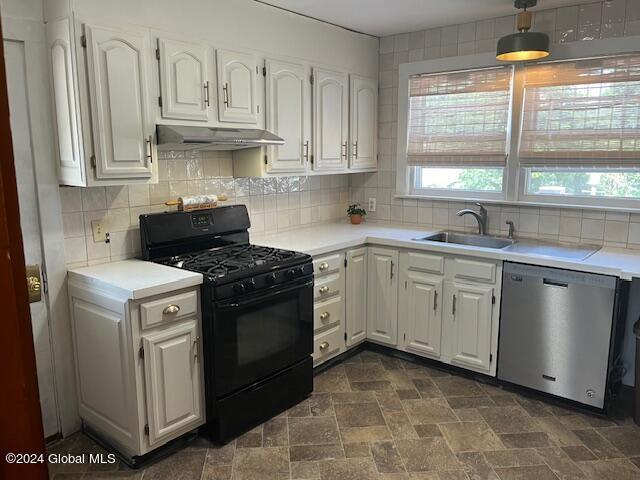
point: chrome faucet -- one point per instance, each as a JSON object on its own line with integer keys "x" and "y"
{"x": 480, "y": 217}
{"x": 512, "y": 228}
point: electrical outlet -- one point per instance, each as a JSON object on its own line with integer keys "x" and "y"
{"x": 100, "y": 234}
{"x": 372, "y": 204}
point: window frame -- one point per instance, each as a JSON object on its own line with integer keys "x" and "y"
{"x": 514, "y": 183}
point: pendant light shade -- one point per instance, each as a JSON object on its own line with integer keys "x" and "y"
{"x": 524, "y": 45}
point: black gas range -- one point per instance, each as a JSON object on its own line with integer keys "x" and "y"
{"x": 257, "y": 313}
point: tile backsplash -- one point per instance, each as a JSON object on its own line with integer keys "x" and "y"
{"x": 602, "y": 19}
{"x": 274, "y": 204}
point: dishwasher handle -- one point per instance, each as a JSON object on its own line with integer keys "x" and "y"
{"x": 554, "y": 283}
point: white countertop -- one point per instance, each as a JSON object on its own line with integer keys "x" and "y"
{"x": 135, "y": 279}
{"x": 324, "y": 238}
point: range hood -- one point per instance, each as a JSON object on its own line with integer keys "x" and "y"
{"x": 177, "y": 137}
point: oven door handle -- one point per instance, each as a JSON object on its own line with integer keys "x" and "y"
{"x": 244, "y": 303}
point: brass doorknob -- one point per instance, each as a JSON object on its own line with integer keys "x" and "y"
{"x": 33, "y": 284}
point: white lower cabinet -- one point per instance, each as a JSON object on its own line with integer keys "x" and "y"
{"x": 356, "y": 295}
{"x": 382, "y": 296}
{"x": 469, "y": 324}
{"x": 138, "y": 365}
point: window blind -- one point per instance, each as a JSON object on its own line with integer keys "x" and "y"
{"x": 582, "y": 114}
{"x": 459, "y": 118}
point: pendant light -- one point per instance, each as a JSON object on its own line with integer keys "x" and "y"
{"x": 524, "y": 45}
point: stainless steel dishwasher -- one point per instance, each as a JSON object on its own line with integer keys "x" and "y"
{"x": 558, "y": 331}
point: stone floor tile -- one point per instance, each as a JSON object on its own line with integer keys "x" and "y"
{"x": 526, "y": 440}
{"x": 535, "y": 408}
{"x": 304, "y": 471}
{"x": 476, "y": 466}
{"x": 468, "y": 415}
{"x": 359, "y": 414}
{"x": 470, "y": 402}
{"x": 372, "y": 386}
{"x": 390, "y": 363}
{"x": 560, "y": 463}
{"x": 427, "y": 454}
{"x": 182, "y": 465}
{"x": 578, "y": 453}
{"x": 470, "y": 437}
{"x": 399, "y": 425}
{"x": 357, "y": 450}
{"x": 249, "y": 440}
{"x": 365, "y": 434}
{"x": 427, "y": 388}
{"x": 332, "y": 380}
{"x": 216, "y": 472}
{"x": 458, "y": 387}
{"x": 517, "y": 457}
{"x": 399, "y": 379}
{"x": 221, "y": 454}
{"x": 313, "y": 431}
{"x": 275, "y": 433}
{"x": 321, "y": 405}
{"x": 625, "y": 439}
{"x": 635, "y": 461}
{"x": 386, "y": 457}
{"x": 534, "y": 472}
{"x": 430, "y": 410}
{"x": 389, "y": 401}
{"x": 508, "y": 419}
{"x": 558, "y": 432}
{"x": 353, "y": 397}
{"x": 453, "y": 475}
{"x": 616, "y": 469}
{"x": 116, "y": 475}
{"x": 350, "y": 468}
{"x": 308, "y": 453}
{"x": 595, "y": 442}
{"x": 408, "y": 394}
{"x": 428, "y": 430}
{"x": 302, "y": 409}
{"x": 365, "y": 372}
{"x": 261, "y": 464}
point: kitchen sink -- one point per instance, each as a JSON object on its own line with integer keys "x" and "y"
{"x": 468, "y": 239}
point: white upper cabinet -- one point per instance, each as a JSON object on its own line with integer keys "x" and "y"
{"x": 363, "y": 122}
{"x": 330, "y": 118}
{"x": 69, "y": 152}
{"x": 237, "y": 93}
{"x": 288, "y": 110}
{"x": 184, "y": 80}
{"x": 117, "y": 64}
{"x": 382, "y": 296}
{"x": 471, "y": 314}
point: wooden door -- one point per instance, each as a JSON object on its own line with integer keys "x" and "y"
{"x": 330, "y": 120}
{"x": 288, "y": 116}
{"x": 172, "y": 377}
{"x": 184, "y": 80}
{"x": 363, "y": 123}
{"x": 118, "y": 87}
{"x": 237, "y": 94}
{"x": 382, "y": 304}
{"x": 356, "y": 295}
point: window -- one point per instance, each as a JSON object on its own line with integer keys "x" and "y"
{"x": 457, "y": 130}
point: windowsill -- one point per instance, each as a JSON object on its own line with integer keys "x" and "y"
{"x": 492, "y": 201}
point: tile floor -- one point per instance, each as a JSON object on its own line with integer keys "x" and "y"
{"x": 378, "y": 417}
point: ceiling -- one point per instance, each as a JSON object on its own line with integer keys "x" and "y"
{"x": 387, "y": 17}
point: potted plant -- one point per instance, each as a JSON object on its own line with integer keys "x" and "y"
{"x": 356, "y": 212}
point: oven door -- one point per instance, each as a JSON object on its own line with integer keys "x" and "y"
{"x": 257, "y": 335}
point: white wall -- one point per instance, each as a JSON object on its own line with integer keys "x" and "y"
{"x": 24, "y": 9}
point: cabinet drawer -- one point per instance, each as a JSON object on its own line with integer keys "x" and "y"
{"x": 327, "y": 264}
{"x": 474, "y": 270}
{"x": 426, "y": 262}
{"x": 168, "y": 309}
{"x": 327, "y": 286}
{"x": 327, "y": 313}
{"x": 327, "y": 345}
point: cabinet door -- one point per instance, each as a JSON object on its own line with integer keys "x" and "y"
{"x": 237, "y": 101}
{"x": 118, "y": 87}
{"x": 382, "y": 305}
{"x": 288, "y": 115}
{"x": 184, "y": 80}
{"x": 172, "y": 376}
{"x": 69, "y": 153}
{"x": 420, "y": 312}
{"x": 470, "y": 327}
{"x": 356, "y": 296}
{"x": 363, "y": 123}
{"x": 330, "y": 118}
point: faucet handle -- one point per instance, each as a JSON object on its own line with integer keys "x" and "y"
{"x": 480, "y": 205}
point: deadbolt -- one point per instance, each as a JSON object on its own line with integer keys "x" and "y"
{"x": 34, "y": 283}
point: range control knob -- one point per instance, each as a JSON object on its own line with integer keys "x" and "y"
{"x": 292, "y": 273}
{"x": 250, "y": 285}
{"x": 239, "y": 288}
{"x": 271, "y": 278}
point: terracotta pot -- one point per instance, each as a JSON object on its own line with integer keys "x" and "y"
{"x": 356, "y": 219}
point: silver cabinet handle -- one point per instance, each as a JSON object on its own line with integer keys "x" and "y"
{"x": 324, "y": 346}
{"x": 435, "y": 300}
{"x": 225, "y": 91}
{"x": 323, "y": 266}
{"x": 171, "y": 309}
{"x": 195, "y": 348}
{"x": 323, "y": 289}
{"x": 391, "y": 271}
{"x": 453, "y": 305}
{"x": 149, "y": 149}
{"x": 343, "y": 150}
{"x": 206, "y": 93}
{"x": 306, "y": 151}
{"x": 324, "y": 315}
{"x": 355, "y": 145}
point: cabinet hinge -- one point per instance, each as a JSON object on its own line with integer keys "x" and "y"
{"x": 146, "y": 429}
{"x": 311, "y": 158}
{"x": 311, "y": 79}
{"x": 258, "y": 108}
{"x": 141, "y": 352}
{"x": 345, "y": 261}
{"x": 93, "y": 161}
{"x": 404, "y": 336}
{"x": 83, "y": 41}
{"x": 405, "y": 284}
{"x": 490, "y": 357}
{"x": 345, "y": 336}
{"x": 157, "y": 54}
{"x": 266, "y": 160}
{"x": 493, "y": 300}
{"x": 264, "y": 71}
{"x": 159, "y": 101}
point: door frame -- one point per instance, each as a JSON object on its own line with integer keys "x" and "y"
{"x": 32, "y": 34}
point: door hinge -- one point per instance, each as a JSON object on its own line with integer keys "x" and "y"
{"x": 93, "y": 161}
{"x": 266, "y": 161}
{"x": 83, "y": 41}
{"x": 312, "y": 158}
{"x": 264, "y": 71}
{"x": 490, "y": 357}
{"x": 493, "y": 300}
{"x": 146, "y": 429}
{"x": 157, "y": 54}
{"x": 345, "y": 336}
{"x": 160, "y": 101}
{"x": 141, "y": 352}
{"x": 404, "y": 337}
{"x": 345, "y": 260}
